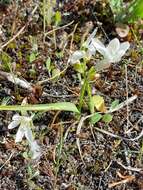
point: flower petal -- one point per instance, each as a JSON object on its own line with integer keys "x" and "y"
{"x": 28, "y": 134}
{"x": 124, "y": 47}
{"x": 35, "y": 149}
{"x": 91, "y": 50}
{"x": 19, "y": 135}
{"x": 119, "y": 56}
{"x": 89, "y": 39}
{"x": 99, "y": 46}
{"x": 13, "y": 124}
{"x": 76, "y": 56}
{"x": 101, "y": 65}
{"x": 16, "y": 117}
{"x": 113, "y": 46}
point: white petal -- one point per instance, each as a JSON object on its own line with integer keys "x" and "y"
{"x": 24, "y": 101}
{"x": 76, "y": 56}
{"x": 99, "y": 46}
{"x": 16, "y": 117}
{"x": 19, "y": 135}
{"x": 13, "y": 124}
{"x": 92, "y": 35}
{"x": 28, "y": 134}
{"x": 113, "y": 46}
{"x": 116, "y": 59}
{"x": 35, "y": 149}
{"x": 91, "y": 50}
{"x": 104, "y": 64}
{"x": 119, "y": 56}
{"x": 124, "y": 47}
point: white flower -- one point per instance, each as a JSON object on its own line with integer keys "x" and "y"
{"x": 24, "y": 123}
{"x": 114, "y": 50}
{"x": 81, "y": 54}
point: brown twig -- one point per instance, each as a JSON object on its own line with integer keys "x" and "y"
{"x": 16, "y": 80}
{"x": 52, "y": 78}
{"x": 59, "y": 28}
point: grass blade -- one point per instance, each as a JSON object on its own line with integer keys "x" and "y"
{"x": 65, "y": 106}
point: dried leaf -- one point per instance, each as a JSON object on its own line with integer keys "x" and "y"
{"x": 122, "y": 30}
{"x": 99, "y": 103}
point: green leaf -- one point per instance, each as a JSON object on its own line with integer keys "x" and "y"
{"x": 91, "y": 73}
{"x": 6, "y": 61}
{"x": 91, "y": 105}
{"x": 30, "y": 171}
{"x": 35, "y": 174}
{"x": 116, "y": 6}
{"x": 32, "y": 57}
{"x": 25, "y": 155}
{"x": 135, "y": 10}
{"x": 65, "y": 106}
{"x": 79, "y": 67}
{"x": 48, "y": 64}
{"x": 55, "y": 74}
{"x": 95, "y": 118}
{"x": 114, "y": 104}
{"x": 107, "y": 118}
{"x": 59, "y": 54}
{"x": 57, "y": 17}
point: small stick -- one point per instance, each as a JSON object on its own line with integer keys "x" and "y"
{"x": 16, "y": 80}
{"x": 59, "y": 28}
{"x": 49, "y": 79}
{"x": 127, "y": 95}
{"x": 130, "y": 168}
{"x": 123, "y": 104}
{"x": 72, "y": 36}
{"x": 77, "y": 138}
{"x": 7, "y": 159}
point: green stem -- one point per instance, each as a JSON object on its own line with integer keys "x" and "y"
{"x": 44, "y": 20}
{"x": 89, "y": 96}
{"x": 82, "y": 93}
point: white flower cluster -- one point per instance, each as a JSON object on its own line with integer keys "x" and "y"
{"x": 25, "y": 124}
{"x": 112, "y": 53}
